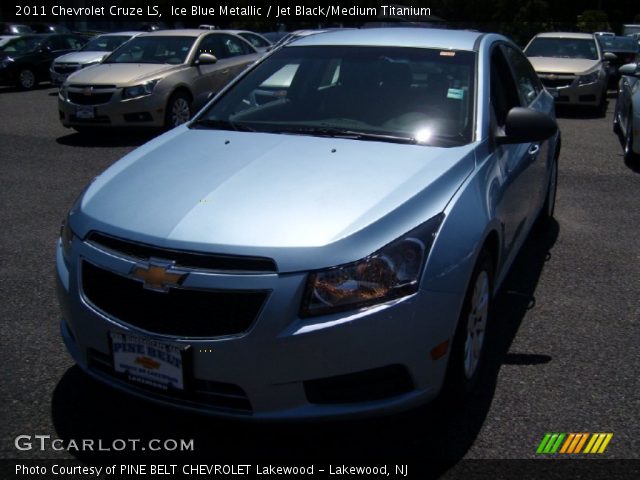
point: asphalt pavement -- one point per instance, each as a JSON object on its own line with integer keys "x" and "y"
{"x": 565, "y": 353}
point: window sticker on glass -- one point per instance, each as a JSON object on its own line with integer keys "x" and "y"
{"x": 447, "y": 53}
{"x": 455, "y": 93}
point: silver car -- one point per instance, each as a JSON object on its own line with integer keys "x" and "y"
{"x": 626, "y": 116}
{"x": 572, "y": 67}
{"x": 330, "y": 248}
{"x": 154, "y": 80}
{"x": 91, "y": 54}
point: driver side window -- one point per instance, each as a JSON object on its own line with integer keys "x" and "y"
{"x": 503, "y": 92}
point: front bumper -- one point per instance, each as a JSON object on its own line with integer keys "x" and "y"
{"x": 147, "y": 111}
{"x": 275, "y": 362}
{"x": 574, "y": 94}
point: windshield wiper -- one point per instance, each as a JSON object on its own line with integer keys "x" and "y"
{"x": 212, "y": 124}
{"x": 345, "y": 133}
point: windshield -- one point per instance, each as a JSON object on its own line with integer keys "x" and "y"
{"x": 105, "y": 43}
{"x": 411, "y": 95}
{"x": 255, "y": 40}
{"x": 563, "y": 48}
{"x": 613, "y": 44}
{"x": 153, "y": 49}
{"x": 21, "y": 45}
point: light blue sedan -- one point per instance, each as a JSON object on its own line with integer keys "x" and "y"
{"x": 324, "y": 238}
{"x": 626, "y": 116}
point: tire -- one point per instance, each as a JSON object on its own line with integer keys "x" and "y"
{"x": 629, "y": 155}
{"x": 601, "y": 109}
{"x": 27, "y": 79}
{"x": 178, "y": 110}
{"x": 470, "y": 339}
{"x": 548, "y": 209}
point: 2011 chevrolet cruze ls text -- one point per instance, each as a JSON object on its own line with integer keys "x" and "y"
{"x": 324, "y": 238}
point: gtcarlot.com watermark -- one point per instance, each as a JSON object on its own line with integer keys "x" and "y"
{"x": 46, "y": 443}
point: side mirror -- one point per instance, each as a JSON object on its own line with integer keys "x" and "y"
{"x": 206, "y": 59}
{"x": 524, "y": 125}
{"x": 611, "y": 57}
{"x": 630, "y": 69}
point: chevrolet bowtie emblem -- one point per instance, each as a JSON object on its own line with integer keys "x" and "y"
{"x": 157, "y": 275}
{"x": 87, "y": 91}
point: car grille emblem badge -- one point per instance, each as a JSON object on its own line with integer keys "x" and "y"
{"x": 87, "y": 91}
{"x": 157, "y": 275}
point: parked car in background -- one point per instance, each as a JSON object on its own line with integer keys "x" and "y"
{"x": 572, "y": 67}
{"x": 92, "y": 53}
{"x": 260, "y": 43}
{"x": 25, "y": 60}
{"x": 15, "y": 29}
{"x": 330, "y": 251}
{"x": 153, "y": 80}
{"x": 625, "y": 50}
{"x": 274, "y": 37}
{"x": 604, "y": 34}
{"x": 626, "y": 116}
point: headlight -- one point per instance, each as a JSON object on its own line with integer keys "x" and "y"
{"x": 66, "y": 239}
{"x": 390, "y": 273}
{"x": 139, "y": 90}
{"x": 589, "y": 78}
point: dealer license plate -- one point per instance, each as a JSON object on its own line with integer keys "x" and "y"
{"x": 86, "y": 112}
{"x": 146, "y": 361}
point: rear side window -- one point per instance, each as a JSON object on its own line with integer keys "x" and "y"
{"x": 527, "y": 81}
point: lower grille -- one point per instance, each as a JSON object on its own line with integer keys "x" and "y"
{"x": 218, "y": 395}
{"x": 557, "y": 82}
{"x": 94, "y": 99}
{"x": 178, "y": 312}
{"x": 62, "y": 68}
{"x": 367, "y": 386}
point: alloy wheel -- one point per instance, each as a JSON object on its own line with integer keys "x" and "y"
{"x": 180, "y": 112}
{"x": 27, "y": 79}
{"x": 476, "y": 323}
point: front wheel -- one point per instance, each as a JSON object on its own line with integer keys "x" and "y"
{"x": 470, "y": 339}
{"x": 549, "y": 207}
{"x": 26, "y": 79}
{"x": 629, "y": 154}
{"x": 178, "y": 110}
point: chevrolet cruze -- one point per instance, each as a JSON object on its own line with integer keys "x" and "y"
{"x": 324, "y": 238}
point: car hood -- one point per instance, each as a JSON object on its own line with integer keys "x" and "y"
{"x": 81, "y": 57}
{"x": 306, "y": 202}
{"x": 562, "y": 65}
{"x": 122, "y": 74}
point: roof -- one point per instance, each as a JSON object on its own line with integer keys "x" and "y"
{"x": 191, "y": 32}
{"x": 564, "y": 35}
{"x": 395, "y": 37}
{"x": 115, "y": 34}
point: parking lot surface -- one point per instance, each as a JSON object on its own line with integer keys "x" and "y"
{"x": 565, "y": 354}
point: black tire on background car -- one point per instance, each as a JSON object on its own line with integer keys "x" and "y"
{"x": 26, "y": 79}
{"x": 470, "y": 339}
{"x": 178, "y": 110}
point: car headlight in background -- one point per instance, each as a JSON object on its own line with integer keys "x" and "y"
{"x": 391, "y": 272}
{"x": 139, "y": 90}
{"x": 589, "y": 78}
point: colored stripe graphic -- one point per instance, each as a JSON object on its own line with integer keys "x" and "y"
{"x": 573, "y": 443}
